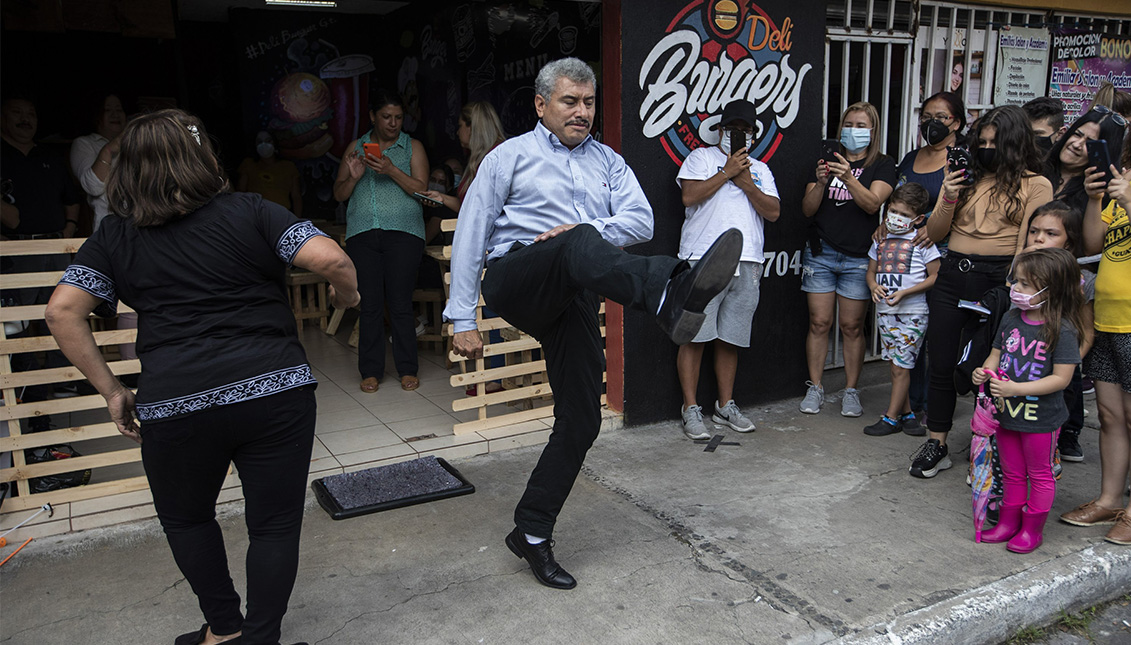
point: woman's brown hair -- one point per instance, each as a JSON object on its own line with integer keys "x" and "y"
{"x": 166, "y": 169}
{"x": 1056, "y": 271}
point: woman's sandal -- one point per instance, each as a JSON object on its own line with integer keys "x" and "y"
{"x": 369, "y": 385}
{"x": 193, "y": 638}
{"x": 409, "y": 382}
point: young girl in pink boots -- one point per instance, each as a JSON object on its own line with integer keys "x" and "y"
{"x": 1035, "y": 351}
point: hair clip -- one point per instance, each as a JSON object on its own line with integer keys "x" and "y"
{"x": 195, "y": 133}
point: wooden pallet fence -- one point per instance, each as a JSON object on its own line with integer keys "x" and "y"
{"x": 83, "y": 421}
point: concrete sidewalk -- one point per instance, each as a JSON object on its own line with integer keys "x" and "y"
{"x": 807, "y": 532}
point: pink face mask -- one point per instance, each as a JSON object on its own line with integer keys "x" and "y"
{"x": 1024, "y": 301}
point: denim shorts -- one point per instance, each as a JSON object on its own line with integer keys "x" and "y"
{"x": 834, "y": 271}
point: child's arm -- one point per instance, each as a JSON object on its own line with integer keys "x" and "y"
{"x": 988, "y": 368}
{"x": 878, "y": 291}
{"x": 1056, "y": 382}
{"x": 1088, "y": 317}
{"x": 927, "y": 283}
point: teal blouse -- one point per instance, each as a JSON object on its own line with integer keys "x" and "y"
{"x": 378, "y": 202}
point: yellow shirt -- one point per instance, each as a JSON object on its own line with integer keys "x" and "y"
{"x": 273, "y": 181}
{"x": 1113, "y": 282}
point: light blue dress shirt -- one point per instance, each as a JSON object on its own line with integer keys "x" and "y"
{"x": 527, "y": 186}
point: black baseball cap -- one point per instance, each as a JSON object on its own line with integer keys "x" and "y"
{"x": 739, "y": 110}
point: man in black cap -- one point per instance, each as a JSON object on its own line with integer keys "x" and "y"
{"x": 723, "y": 187}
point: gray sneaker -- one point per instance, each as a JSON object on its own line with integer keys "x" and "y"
{"x": 693, "y": 423}
{"x": 850, "y": 404}
{"x": 730, "y": 415}
{"x": 811, "y": 404}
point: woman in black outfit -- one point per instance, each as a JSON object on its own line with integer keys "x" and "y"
{"x": 224, "y": 377}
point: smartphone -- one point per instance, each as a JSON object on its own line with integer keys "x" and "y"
{"x": 428, "y": 200}
{"x": 372, "y": 149}
{"x": 737, "y": 141}
{"x": 829, "y": 148}
{"x": 959, "y": 159}
{"x": 1098, "y": 157}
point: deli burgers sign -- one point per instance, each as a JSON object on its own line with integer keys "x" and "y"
{"x": 713, "y": 52}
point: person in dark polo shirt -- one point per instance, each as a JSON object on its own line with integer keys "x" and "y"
{"x": 41, "y": 187}
{"x": 41, "y": 202}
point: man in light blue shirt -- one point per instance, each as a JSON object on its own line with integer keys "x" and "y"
{"x": 545, "y": 273}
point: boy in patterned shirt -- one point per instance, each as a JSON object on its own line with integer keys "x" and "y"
{"x": 900, "y": 273}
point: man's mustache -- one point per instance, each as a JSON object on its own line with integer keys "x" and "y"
{"x": 581, "y": 122}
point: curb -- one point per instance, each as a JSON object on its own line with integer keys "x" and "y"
{"x": 994, "y": 612}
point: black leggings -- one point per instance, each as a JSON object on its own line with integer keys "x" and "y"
{"x": 944, "y": 330}
{"x": 186, "y": 460}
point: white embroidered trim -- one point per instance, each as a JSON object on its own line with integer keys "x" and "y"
{"x": 90, "y": 281}
{"x": 245, "y": 390}
{"x": 294, "y": 237}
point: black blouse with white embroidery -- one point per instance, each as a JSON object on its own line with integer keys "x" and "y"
{"x": 214, "y": 323}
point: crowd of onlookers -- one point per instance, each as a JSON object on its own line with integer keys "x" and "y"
{"x": 999, "y": 263}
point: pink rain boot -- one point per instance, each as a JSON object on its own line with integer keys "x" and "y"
{"x": 1031, "y": 534}
{"x": 1008, "y": 523}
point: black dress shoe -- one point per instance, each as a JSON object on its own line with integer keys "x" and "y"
{"x": 541, "y": 560}
{"x": 689, "y": 292}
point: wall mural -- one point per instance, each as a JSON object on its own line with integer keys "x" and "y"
{"x": 683, "y": 61}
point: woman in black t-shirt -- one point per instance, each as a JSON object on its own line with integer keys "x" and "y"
{"x": 224, "y": 377}
{"x": 843, "y": 197}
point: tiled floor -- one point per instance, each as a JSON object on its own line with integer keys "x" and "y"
{"x": 357, "y": 430}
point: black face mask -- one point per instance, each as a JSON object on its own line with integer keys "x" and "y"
{"x": 1044, "y": 144}
{"x": 987, "y": 158}
{"x": 934, "y": 131}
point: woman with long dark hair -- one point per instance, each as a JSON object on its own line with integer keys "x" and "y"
{"x": 1068, "y": 158}
{"x": 987, "y": 221}
{"x": 224, "y": 377}
{"x": 385, "y": 236}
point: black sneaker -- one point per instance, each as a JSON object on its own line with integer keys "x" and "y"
{"x": 882, "y": 428}
{"x": 929, "y": 460}
{"x": 911, "y": 425}
{"x": 1069, "y": 445}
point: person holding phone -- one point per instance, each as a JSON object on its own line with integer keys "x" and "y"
{"x": 723, "y": 187}
{"x": 987, "y": 222}
{"x": 843, "y": 198}
{"x": 480, "y": 130}
{"x": 1068, "y": 161}
{"x": 385, "y": 236}
{"x": 1107, "y": 230}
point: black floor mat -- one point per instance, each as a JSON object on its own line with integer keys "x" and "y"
{"x": 384, "y": 487}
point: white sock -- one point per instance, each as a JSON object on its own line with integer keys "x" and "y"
{"x": 530, "y": 539}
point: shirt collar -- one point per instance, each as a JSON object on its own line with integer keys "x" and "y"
{"x": 553, "y": 139}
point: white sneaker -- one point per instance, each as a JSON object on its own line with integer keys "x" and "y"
{"x": 811, "y": 404}
{"x": 693, "y": 425}
{"x": 850, "y": 403}
{"x": 730, "y": 415}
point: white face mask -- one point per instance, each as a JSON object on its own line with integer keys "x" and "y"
{"x": 265, "y": 149}
{"x": 898, "y": 224}
{"x": 455, "y": 178}
{"x": 436, "y": 186}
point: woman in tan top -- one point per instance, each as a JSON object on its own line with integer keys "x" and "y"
{"x": 987, "y": 222}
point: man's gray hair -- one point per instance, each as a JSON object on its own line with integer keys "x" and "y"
{"x": 574, "y": 69}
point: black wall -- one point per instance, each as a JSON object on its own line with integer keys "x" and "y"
{"x": 774, "y": 366}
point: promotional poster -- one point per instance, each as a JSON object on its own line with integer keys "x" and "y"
{"x": 1023, "y": 57}
{"x": 1082, "y": 61}
{"x": 682, "y": 62}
